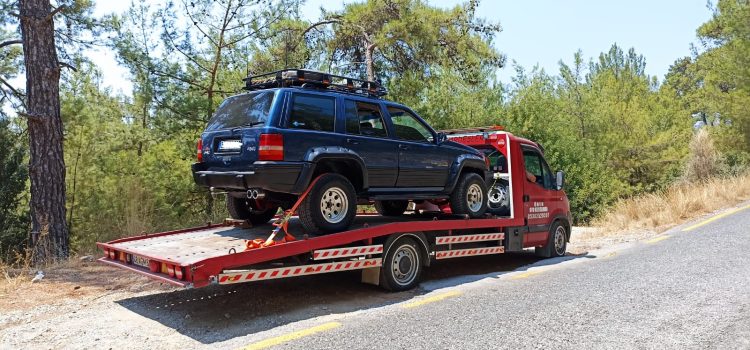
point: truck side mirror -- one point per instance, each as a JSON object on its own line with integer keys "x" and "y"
{"x": 441, "y": 137}
{"x": 560, "y": 180}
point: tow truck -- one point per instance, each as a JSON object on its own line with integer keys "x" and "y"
{"x": 530, "y": 210}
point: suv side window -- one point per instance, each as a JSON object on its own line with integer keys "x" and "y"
{"x": 364, "y": 118}
{"x": 408, "y": 127}
{"x": 312, "y": 112}
{"x": 536, "y": 165}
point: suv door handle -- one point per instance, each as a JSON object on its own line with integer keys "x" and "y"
{"x": 403, "y": 147}
{"x": 352, "y": 141}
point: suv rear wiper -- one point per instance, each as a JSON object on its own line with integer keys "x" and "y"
{"x": 247, "y": 125}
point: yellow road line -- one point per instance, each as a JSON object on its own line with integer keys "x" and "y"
{"x": 612, "y": 254}
{"x": 717, "y": 217}
{"x": 431, "y": 299}
{"x": 526, "y": 274}
{"x": 657, "y": 239}
{"x": 291, "y": 336}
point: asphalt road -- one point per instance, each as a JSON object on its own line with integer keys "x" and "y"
{"x": 683, "y": 289}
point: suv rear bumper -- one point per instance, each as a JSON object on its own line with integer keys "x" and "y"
{"x": 284, "y": 177}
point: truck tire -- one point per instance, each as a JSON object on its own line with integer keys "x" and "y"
{"x": 391, "y": 208}
{"x": 240, "y": 209}
{"x": 330, "y": 206}
{"x": 402, "y": 266}
{"x": 557, "y": 242}
{"x": 470, "y": 196}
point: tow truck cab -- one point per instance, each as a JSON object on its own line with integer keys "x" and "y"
{"x": 518, "y": 164}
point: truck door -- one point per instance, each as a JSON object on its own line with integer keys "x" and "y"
{"x": 540, "y": 196}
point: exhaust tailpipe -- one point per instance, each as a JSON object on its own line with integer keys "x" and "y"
{"x": 255, "y": 194}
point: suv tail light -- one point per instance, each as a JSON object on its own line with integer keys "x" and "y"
{"x": 199, "y": 148}
{"x": 271, "y": 147}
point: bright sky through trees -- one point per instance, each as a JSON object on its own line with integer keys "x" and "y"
{"x": 541, "y": 32}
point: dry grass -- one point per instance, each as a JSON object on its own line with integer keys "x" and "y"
{"x": 660, "y": 211}
{"x": 66, "y": 280}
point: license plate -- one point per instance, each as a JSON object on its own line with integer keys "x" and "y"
{"x": 140, "y": 261}
{"x": 229, "y": 145}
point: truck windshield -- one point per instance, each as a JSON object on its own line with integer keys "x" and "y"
{"x": 243, "y": 110}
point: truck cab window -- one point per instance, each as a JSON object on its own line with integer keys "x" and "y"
{"x": 536, "y": 166}
{"x": 312, "y": 112}
{"x": 364, "y": 119}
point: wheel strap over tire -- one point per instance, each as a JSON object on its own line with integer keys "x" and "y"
{"x": 282, "y": 223}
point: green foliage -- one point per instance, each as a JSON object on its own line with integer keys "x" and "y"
{"x": 607, "y": 124}
{"x": 724, "y": 68}
{"x": 122, "y": 178}
{"x": 14, "y": 217}
{"x": 412, "y": 37}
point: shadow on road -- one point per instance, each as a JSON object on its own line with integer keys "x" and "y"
{"x": 219, "y": 313}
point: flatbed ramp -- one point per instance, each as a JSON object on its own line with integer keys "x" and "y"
{"x": 217, "y": 253}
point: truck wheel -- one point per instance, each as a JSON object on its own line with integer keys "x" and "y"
{"x": 402, "y": 266}
{"x": 469, "y": 196}
{"x": 240, "y": 209}
{"x": 391, "y": 208}
{"x": 557, "y": 242}
{"x": 330, "y": 206}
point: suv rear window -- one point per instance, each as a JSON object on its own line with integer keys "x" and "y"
{"x": 246, "y": 109}
{"x": 312, "y": 112}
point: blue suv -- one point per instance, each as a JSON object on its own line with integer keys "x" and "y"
{"x": 298, "y": 127}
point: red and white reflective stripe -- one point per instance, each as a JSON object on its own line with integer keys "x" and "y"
{"x": 469, "y": 238}
{"x": 347, "y": 252}
{"x": 447, "y": 254}
{"x": 259, "y": 275}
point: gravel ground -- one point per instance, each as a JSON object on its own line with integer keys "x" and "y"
{"x": 682, "y": 292}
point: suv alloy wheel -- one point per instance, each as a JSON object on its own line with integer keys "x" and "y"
{"x": 469, "y": 196}
{"x": 330, "y": 206}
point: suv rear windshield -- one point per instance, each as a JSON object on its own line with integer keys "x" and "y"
{"x": 246, "y": 109}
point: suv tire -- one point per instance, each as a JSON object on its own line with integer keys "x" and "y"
{"x": 241, "y": 209}
{"x": 470, "y": 196}
{"x": 330, "y": 206}
{"x": 391, "y": 208}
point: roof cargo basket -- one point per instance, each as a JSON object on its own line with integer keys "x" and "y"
{"x": 313, "y": 79}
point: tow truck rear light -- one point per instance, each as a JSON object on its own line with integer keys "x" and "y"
{"x": 199, "y": 149}
{"x": 271, "y": 147}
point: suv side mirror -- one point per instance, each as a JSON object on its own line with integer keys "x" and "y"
{"x": 560, "y": 180}
{"x": 441, "y": 137}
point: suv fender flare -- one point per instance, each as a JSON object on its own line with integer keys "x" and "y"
{"x": 464, "y": 161}
{"x": 317, "y": 154}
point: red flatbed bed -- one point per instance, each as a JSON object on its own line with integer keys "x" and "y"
{"x": 203, "y": 253}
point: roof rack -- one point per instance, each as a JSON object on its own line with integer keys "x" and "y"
{"x": 309, "y": 78}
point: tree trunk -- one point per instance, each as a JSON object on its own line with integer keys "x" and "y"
{"x": 370, "y": 64}
{"x": 49, "y": 231}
